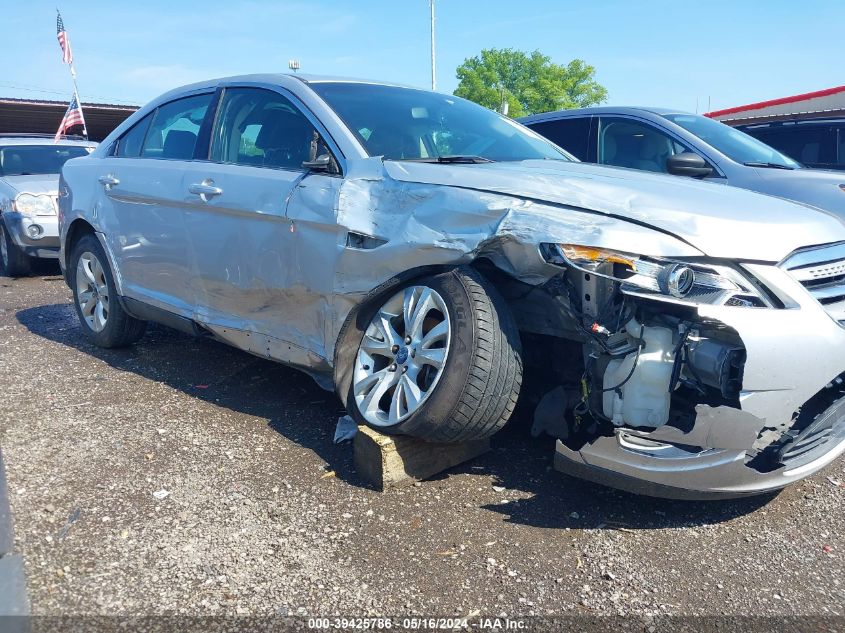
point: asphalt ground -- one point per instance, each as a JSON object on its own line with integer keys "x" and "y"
{"x": 265, "y": 515}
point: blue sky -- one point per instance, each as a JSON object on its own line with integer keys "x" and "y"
{"x": 646, "y": 52}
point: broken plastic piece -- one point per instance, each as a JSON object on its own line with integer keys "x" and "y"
{"x": 345, "y": 430}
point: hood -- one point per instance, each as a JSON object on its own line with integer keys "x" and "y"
{"x": 36, "y": 183}
{"x": 817, "y": 187}
{"x": 718, "y": 220}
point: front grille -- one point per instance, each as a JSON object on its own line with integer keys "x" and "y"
{"x": 821, "y": 271}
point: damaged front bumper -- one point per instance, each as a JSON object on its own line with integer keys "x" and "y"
{"x": 795, "y": 362}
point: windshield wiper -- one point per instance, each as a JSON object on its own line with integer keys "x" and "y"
{"x": 753, "y": 163}
{"x": 453, "y": 158}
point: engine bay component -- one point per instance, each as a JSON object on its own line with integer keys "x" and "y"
{"x": 718, "y": 365}
{"x": 636, "y": 387}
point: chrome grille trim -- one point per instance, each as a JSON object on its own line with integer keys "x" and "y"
{"x": 821, "y": 270}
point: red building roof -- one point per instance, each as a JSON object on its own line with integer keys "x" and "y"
{"x": 760, "y": 108}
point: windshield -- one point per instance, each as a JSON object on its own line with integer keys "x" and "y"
{"x": 409, "y": 124}
{"x": 25, "y": 160}
{"x": 734, "y": 144}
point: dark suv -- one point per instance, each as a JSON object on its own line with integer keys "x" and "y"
{"x": 818, "y": 143}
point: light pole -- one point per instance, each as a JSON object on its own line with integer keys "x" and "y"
{"x": 433, "y": 72}
{"x": 293, "y": 64}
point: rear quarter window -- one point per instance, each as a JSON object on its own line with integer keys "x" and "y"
{"x": 572, "y": 134}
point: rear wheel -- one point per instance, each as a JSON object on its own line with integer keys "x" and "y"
{"x": 440, "y": 360}
{"x": 102, "y": 316}
{"x": 15, "y": 262}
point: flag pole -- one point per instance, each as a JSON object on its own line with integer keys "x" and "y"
{"x": 75, "y": 88}
{"x": 78, "y": 102}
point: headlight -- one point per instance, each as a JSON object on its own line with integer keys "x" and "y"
{"x": 683, "y": 282}
{"x": 30, "y": 204}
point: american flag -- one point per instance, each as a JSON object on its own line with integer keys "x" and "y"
{"x": 64, "y": 41}
{"x": 72, "y": 117}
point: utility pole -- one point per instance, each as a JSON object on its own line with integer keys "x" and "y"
{"x": 433, "y": 71}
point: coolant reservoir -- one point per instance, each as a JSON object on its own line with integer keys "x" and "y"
{"x": 645, "y": 396}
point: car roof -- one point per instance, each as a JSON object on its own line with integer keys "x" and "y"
{"x": 281, "y": 79}
{"x": 576, "y": 112}
{"x": 42, "y": 139}
{"x": 790, "y": 122}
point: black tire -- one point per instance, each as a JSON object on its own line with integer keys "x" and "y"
{"x": 479, "y": 383}
{"x": 120, "y": 329}
{"x": 15, "y": 262}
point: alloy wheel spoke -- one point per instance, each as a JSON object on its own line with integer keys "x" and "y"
{"x": 439, "y": 333}
{"x": 85, "y": 265}
{"x": 384, "y": 380}
{"x": 415, "y": 308}
{"x": 375, "y": 347}
{"x": 434, "y": 356}
{"x": 99, "y": 316}
{"x": 413, "y": 394}
{"x": 89, "y": 304}
{"x": 396, "y": 402}
{"x": 385, "y": 328}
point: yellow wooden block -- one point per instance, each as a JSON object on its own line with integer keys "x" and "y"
{"x": 387, "y": 461}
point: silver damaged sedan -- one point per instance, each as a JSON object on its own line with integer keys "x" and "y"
{"x": 415, "y": 252}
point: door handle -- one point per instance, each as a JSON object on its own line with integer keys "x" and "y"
{"x": 108, "y": 181}
{"x": 205, "y": 189}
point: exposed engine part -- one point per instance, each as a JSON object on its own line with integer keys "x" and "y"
{"x": 636, "y": 387}
{"x": 716, "y": 364}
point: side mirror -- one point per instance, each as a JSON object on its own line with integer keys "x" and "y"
{"x": 688, "y": 164}
{"x": 322, "y": 163}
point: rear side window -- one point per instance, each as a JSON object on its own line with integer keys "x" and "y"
{"x": 572, "y": 134}
{"x": 262, "y": 128}
{"x": 175, "y": 127}
{"x": 129, "y": 145}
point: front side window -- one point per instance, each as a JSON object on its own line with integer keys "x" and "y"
{"x": 175, "y": 127}
{"x": 129, "y": 145}
{"x": 734, "y": 144}
{"x": 571, "y": 133}
{"x": 408, "y": 124}
{"x": 26, "y": 160}
{"x": 628, "y": 143}
{"x": 262, "y": 128}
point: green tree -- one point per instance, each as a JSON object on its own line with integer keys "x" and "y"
{"x": 529, "y": 82}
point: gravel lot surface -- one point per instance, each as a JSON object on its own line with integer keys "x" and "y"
{"x": 266, "y": 516}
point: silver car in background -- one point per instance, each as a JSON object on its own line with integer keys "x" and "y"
{"x": 29, "y": 181}
{"x": 683, "y": 144}
{"x": 412, "y": 251}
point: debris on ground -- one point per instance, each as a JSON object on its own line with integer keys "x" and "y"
{"x": 345, "y": 430}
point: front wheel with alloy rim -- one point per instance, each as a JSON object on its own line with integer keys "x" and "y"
{"x": 439, "y": 359}
{"x": 98, "y": 307}
{"x": 15, "y": 262}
